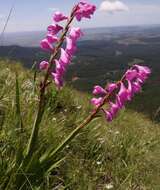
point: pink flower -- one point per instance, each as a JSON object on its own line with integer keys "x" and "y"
{"x": 118, "y": 102}
{"x": 136, "y": 87}
{"x": 84, "y": 10}
{"x": 46, "y": 45}
{"x": 108, "y": 115}
{"x": 114, "y": 108}
{"x": 51, "y": 39}
{"x": 143, "y": 73}
{"x": 43, "y": 65}
{"x": 111, "y": 87}
{"x": 124, "y": 94}
{"x": 60, "y": 69}
{"x": 75, "y": 33}
{"x": 96, "y": 101}
{"x": 131, "y": 74}
{"x": 98, "y": 90}
{"x": 130, "y": 90}
{"x": 58, "y": 16}
{"x": 54, "y": 28}
{"x": 57, "y": 79}
{"x": 66, "y": 55}
{"x": 70, "y": 46}
{"x": 64, "y": 58}
{"x": 143, "y": 69}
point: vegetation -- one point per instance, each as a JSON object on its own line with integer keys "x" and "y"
{"x": 121, "y": 155}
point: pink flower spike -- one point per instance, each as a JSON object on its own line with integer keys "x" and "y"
{"x": 64, "y": 57}
{"x": 98, "y": 90}
{"x": 58, "y": 16}
{"x": 54, "y": 28}
{"x": 46, "y": 45}
{"x": 52, "y": 39}
{"x": 43, "y": 65}
{"x": 96, "y": 101}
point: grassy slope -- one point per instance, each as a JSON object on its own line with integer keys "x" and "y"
{"x": 124, "y": 153}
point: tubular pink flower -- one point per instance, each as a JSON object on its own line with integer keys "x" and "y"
{"x": 58, "y": 16}
{"x": 57, "y": 79}
{"x": 142, "y": 77}
{"x": 75, "y": 33}
{"x": 129, "y": 90}
{"x": 118, "y": 102}
{"x": 131, "y": 74}
{"x": 54, "y": 29}
{"x": 64, "y": 57}
{"x": 108, "y": 115}
{"x": 98, "y": 90}
{"x": 43, "y": 65}
{"x": 114, "y": 108}
{"x": 111, "y": 87}
{"x": 71, "y": 46}
{"x": 96, "y": 101}
{"x": 84, "y": 10}
{"x": 136, "y": 87}
{"x": 123, "y": 94}
{"x": 143, "y": 69}
{"x": 60, "y": 69}
{"x": 46, "y": 45}
{"x": 51, "y": 39}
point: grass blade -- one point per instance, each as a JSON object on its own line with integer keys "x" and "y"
{"x": 19, "y": 123}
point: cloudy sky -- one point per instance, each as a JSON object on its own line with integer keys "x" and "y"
{"x": 29, "y": 15}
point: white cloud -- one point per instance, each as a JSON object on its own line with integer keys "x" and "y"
{"x": 112, "y": 6}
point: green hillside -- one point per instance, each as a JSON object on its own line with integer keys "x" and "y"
{"x": 122, "y": 155}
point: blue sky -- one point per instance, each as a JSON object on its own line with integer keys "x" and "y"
{"x": 29, "y": 15}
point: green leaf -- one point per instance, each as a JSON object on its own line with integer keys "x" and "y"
{"x": 55, "y": 165}
{"x": 19, "y": 123}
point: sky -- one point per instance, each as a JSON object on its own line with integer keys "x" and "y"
{"x": 34, "y": 15}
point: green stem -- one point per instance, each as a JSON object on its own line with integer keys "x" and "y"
{"x": 41, "y": 106}
{"x": 50, "y": 154}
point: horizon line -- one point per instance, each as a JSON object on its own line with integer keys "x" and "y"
{"x": 90, "y": 28}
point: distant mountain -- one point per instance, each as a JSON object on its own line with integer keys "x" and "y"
{"x": 103, "y": 55}
{"x": 32, "y": 39}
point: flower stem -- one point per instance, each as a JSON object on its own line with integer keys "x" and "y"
{"x": 74, "y": 133}
{"x": 41, "y": 106}
{"x": 50, "y": 154}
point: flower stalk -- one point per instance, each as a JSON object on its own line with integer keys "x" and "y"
{"x": 41, "y": 105}
{"x": 134, "y": 74}
{"x": 79, "y": 11}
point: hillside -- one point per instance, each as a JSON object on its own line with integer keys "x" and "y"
{"x": 121, "y": 155}
{"x": 103, "y": 55}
